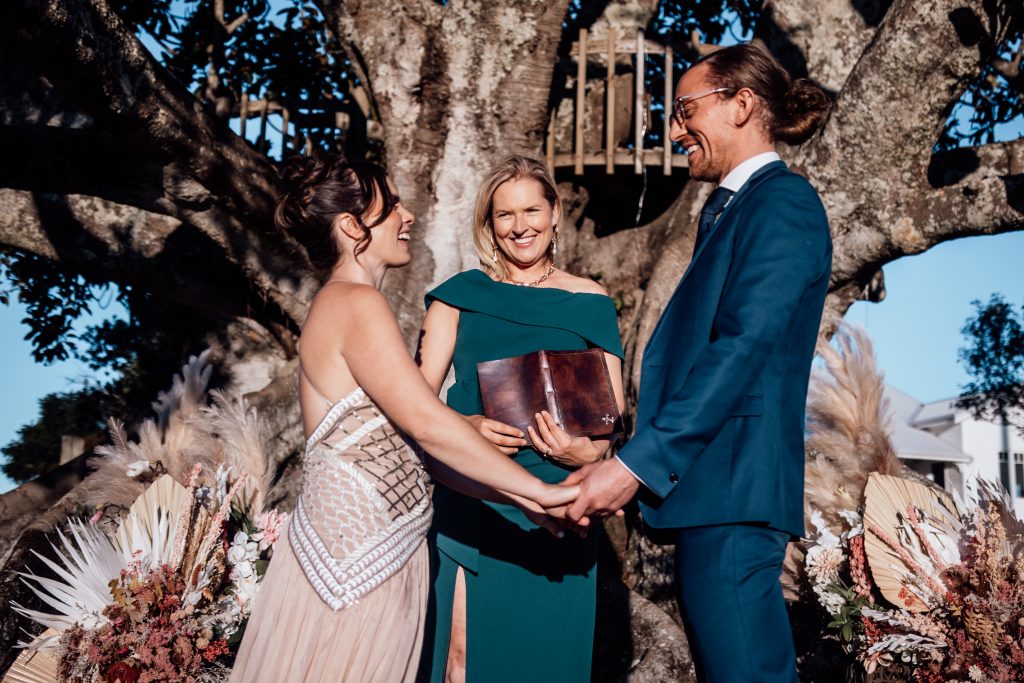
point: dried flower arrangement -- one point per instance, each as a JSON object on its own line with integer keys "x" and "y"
{"x": 918, "y": 585}
{"x": 161, "y": 591}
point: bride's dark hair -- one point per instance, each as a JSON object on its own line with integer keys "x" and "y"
{"x": 314, "y": 190}
{"x": 795, "y": 106}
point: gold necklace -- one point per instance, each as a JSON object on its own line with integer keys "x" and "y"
{"x": 545, "y": 276}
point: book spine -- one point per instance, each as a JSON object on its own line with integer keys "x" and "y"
{"x": 549, "y": 388}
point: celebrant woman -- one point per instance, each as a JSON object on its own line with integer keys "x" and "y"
{"x": 345, "y": 595}
{"x": 512, "y": 602}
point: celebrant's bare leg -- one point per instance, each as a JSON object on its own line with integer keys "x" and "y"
{"x": 455, "y": 671}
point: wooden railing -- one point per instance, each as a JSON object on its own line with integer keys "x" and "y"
{"x": 323, "y": 117}
{"x": 612, "y": 155}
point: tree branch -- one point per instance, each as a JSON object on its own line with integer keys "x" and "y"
{"x": 62, "y": 161}
{"x": 128, "y": 245}
{"x": 897, "y": 99}
{"x": 820, "y": 41}
{"x": 971, "y": 163}
{"x": 90, "y": 57}
{"x": 134, "y": 108}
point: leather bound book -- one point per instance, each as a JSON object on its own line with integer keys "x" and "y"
{"x": 575, "y": 387}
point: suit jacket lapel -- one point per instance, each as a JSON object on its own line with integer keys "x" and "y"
{"x": 751, "y": 181}
{"x": 758, "y": 174}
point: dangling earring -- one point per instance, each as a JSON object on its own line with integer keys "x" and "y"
{"x": 494, "y": 251}
{"x": 554, "y": 243}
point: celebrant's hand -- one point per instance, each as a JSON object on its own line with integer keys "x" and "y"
{"x": 505, "y": 438}
{"x": 555, "y": 443}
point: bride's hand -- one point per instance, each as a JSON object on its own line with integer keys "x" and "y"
{"x": 553, "y": 496}
{"x": 505, "y": 438}
{"x": 554, "y": 519}
{"x": 555, "y": 443}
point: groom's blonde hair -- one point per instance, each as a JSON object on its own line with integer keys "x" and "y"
{"x": 514, "y": 167}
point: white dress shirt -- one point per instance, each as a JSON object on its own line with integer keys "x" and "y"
{"x": 734, "y": 180}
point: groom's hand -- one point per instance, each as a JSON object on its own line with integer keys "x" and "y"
{"x": 605, "y": 487}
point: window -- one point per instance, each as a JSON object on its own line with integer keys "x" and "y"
{"x": 1004, "y": 469}
{"x": 1018, "y": 471}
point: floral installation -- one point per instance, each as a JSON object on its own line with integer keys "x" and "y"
{"x": 161, "y": 590}
{"x": 949, "y": 605}
{"x": 916, "y": 585}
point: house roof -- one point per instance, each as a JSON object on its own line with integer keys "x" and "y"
{"x": 912, "y": 443}
{"x": 937, "y": 411}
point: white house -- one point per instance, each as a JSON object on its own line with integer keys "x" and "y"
{"x": 947, "y": 444}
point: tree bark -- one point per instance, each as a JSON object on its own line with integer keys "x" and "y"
{"x": 457, "y": 87}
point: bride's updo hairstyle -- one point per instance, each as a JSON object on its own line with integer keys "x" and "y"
{"x": 314, "y": 190}
{"x": 795, "y": 107}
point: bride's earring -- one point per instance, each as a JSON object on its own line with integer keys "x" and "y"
{"x": 554, "y": 243}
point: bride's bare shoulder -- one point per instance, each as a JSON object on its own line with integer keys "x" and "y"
{"x": 339, "y": 297}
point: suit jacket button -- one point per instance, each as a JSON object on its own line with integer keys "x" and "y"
{"x": 674, "y": 478}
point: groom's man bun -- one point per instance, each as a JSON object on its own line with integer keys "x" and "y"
{"x": 795, "y": 107}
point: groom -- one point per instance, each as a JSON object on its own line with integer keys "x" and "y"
{"x": 720, "y": 420}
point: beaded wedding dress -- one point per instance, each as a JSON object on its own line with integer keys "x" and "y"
{"x": 345, "y": 594}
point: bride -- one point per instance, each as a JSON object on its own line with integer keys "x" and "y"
{"x": 345, "y": 596}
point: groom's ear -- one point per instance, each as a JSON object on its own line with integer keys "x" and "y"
{"x": 745, "y": 102}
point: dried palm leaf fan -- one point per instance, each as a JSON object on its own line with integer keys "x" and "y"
{"x": 153, "y": 518}
{"x": 911, "y": 534}
{"x": 34, "y": 666}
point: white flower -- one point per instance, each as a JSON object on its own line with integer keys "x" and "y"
{"x": 825, "y": 536}
{"x": 853, "y": 519}
{"x": 137, "y": 468}
{"x": 832, "y": 602}
{"x": 823, "y": 563}
{"x": 245, "y": 591}
{"x": 241, "y": 538}
{"x": 242, "y": 570}
{"x": 236, "y": 554}
{"x": 975, "y": 673}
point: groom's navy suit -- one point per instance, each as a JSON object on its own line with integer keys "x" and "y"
{"x": 719, "y": 436}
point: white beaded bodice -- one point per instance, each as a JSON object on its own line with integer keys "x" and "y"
{"x": 364, "y": 508}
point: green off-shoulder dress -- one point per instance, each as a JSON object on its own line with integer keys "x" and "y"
{"x": 530, "y": 598}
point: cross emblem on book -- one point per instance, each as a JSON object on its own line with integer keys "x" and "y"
{"x": 607, "y": 419}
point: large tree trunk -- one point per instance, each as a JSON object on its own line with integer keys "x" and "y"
{"x": 116, "y": 171}
{"x": 456, "y": 87}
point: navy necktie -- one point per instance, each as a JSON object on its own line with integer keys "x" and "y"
{"x": 712, "y": 207}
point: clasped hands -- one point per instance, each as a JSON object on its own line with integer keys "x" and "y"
{"x": 605, "y": 486}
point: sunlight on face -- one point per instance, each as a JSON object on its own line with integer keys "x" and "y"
{"x": 523, "y": 220}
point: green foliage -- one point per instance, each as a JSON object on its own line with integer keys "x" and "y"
{"x": 55, "y": 299}
{"x": 994, "y": 358}
{"x": 283, "y": 51}
{"x": 37, "y": 447}
{"x": 848, "y": 621}
{"x": 991, "y": 99}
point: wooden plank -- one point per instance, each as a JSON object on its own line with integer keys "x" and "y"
{"x": 263, "y": 126}
{"x": 639, "y": 72}
{"x": 284, "y": 131}
{"x": 581, "y": 91}
{"x": 609, "y": 118}
{"x": 666, "y": 166}
{"x": 623, "y": 157}
{"x": 622, "y": 46}
{"x": 243, "y": 113}
{"x": 550, "y": 145}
